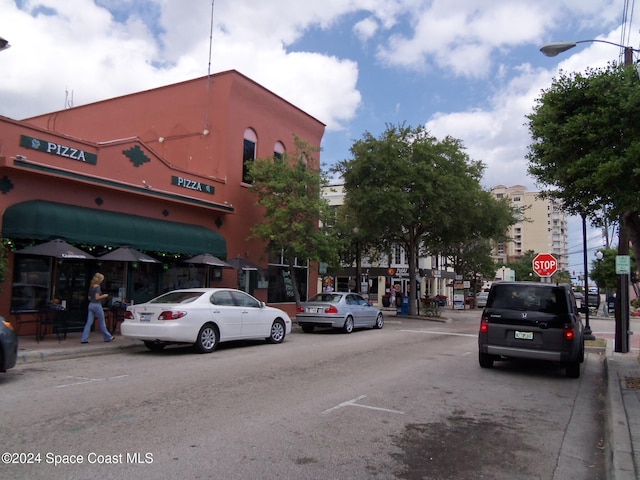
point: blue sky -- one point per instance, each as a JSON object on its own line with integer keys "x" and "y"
{"x": 466, "y": 68}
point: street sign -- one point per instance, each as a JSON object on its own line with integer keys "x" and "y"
{"x": 623, "y": 264}
{"x": 545, "y": 265}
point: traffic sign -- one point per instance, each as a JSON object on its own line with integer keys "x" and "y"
{"x": 545, "y": 265}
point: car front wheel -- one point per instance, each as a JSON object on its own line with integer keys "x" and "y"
{"x": 277, "y": 332}
{"x": 348, "y": 325}
{"x": 379, "y": 321}
{"x": 207, "y": 339}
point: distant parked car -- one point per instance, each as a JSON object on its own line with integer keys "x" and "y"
{"x": 345, "y": 310}
{"x": 8, "y": 346}
{"x": 481, "y": 299}
{"x": 531, "y": 320}
{"x": 204, "y": 317}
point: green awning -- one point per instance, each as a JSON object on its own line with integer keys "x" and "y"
{"x": 41, "y": 220}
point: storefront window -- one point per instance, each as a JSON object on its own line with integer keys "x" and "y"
{"x": 183, "y": 277}
{"x": 31, "y": 286}
{"x": 281, "y": 284}
{"x": 71, "y": 283}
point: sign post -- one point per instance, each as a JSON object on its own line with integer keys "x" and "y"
{"x": 545, "y": 265}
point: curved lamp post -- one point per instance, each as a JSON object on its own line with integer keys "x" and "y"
{"x": 622, "y": 309}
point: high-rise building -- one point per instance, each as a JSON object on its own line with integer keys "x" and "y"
{"x": 543, "y": 230}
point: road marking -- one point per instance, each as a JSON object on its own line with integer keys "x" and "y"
{"x": 86, "y": 380}
{"x": 352, "y": 403}
{"x": 453, "y": 334}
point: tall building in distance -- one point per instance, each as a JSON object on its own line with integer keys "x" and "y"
{"x": 544, "y": 230}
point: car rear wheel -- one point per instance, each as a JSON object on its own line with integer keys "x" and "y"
{"x": 277, "y": 332}
{"x": 379, "y": 321}
{"x": 207, "y": 339}
{"x": 486, "y": 360}
{"x": 348, "y": 325}
{"x": 154, "y": 346}
{"x": 307, "y": 328}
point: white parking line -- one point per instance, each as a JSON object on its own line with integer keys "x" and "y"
{"x": 453, "y": 334}
{"x": 89, "y": 380}
{"x": 351, "y": 403}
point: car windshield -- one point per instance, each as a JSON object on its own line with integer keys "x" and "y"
{"x": 546, "y": 300}
{"x": 177, "y": 297}
{"x": 326, "y": 298}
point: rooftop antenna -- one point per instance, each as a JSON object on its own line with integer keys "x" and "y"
{"x": 68, "y": 103}
{"x": 206, "y": 115}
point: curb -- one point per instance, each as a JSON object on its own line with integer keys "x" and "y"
{"x": 619, "y": 458}
{"x": 26, "y": 357}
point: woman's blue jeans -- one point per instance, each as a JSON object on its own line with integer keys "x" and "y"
{"x": 95, "y": 311}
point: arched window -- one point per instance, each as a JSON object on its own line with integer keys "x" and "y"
{"x": 249, "y": 152}
{"x": 278, "y": 151}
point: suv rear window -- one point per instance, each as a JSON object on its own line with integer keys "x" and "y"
{"x": 543, "y": 298}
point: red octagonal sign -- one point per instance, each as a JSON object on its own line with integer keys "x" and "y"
{"x": 545, "y": 265}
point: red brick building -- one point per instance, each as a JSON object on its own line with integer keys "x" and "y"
{"x": 160, "y": 171}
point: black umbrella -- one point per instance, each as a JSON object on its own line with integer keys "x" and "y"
{"x": 127, "y": 254}
{"x": 58, "y": 249}
{"x": 208, "y": 259}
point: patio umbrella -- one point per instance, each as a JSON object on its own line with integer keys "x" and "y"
{"x": 208, "y": 259}
{"x": 127, "y": 254}
{"x": 57, "y": 248}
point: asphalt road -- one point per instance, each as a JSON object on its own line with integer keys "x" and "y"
{"x": 405, "y": 402}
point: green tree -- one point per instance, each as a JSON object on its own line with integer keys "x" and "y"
{"x": 467, "y": 244}
{"x": 289, "y": 191}
{"x": 586, "y": 145}
{"x": 351, "y": 243}
{"x": 408, "y": 188}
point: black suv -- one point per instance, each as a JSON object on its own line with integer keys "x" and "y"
{"x": 531, "y": 320}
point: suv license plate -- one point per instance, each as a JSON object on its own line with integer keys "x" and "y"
{"x": 524, "y": 335}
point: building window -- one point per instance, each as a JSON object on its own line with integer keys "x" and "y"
{"x": 31, "y": 288}
{"x": 397, "y": 255}
{"x": 278, "y": 151}
{"x": 249, "y": 153}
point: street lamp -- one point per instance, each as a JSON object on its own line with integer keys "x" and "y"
{"x": 588, "y": 335}
{"x": 4, "y": 44}
{"x": 622, "y": 310}
{"x": 599, "y": 257}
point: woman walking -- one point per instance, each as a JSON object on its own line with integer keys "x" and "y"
{"x": 95, "y": 309}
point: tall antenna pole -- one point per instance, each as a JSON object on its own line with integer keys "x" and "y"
{"x": 206, "y": 115}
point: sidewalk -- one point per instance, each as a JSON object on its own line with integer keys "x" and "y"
{"x": 622, "y": 374}
{"x": 50, "y": 348}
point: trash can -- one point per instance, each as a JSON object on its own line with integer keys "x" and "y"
{"x": 404, "y": 308}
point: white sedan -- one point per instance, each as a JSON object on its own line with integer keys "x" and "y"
{"x": 204, "y": 317}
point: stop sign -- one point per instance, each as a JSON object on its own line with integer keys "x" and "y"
{"x": 545, "y": 264}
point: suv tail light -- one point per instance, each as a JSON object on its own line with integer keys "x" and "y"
{"x": 569, "y": 331}
{"x": 171, "y": 315}
{"x": 484, "y": 325}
